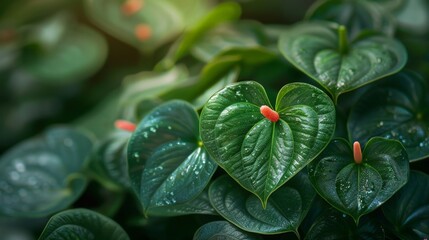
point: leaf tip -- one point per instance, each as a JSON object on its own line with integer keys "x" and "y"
{"x": 269, "y": 113}
{"x": 357, "y": 152}
{"x": 125, "y": 125}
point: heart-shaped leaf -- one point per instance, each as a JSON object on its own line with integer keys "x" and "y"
{"x": 355, "y": 15}
{"x": 332, "y": 224}
{"x": 167, "y": 163}
{"x": 146, "y": 24}
{"x": 82, "y": 224}
{"x": 42, "y": 175}
{"x": 354, "y": 187}
{"x": 397, "y": 108}
{"x": 321, "y": 50}
{"x": 284, "y": 211}
{"x": 261, "y": 155}
{"x": 408, "y": 209}
{"x": 222, "y": 230}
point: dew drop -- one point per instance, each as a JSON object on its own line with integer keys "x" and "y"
{"x": 20, "y": 167}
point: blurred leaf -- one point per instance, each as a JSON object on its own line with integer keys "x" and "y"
{"x": 79, "y": 54}
{"x": 321, "y": 50}
{"x": 413, "y": 16}
{"x": 21, "y": 12}
{"x": 82, "y": 224}
{"x": 148, "y": 24}
{"x": 284, "y": 211}
{"x": 222, "y": 230}
{"x": 408, "y": 209}
{"x": 260, "y": 154}
{"x": 224, "y": 12}
{"x": 396, "y": 108}
{"x": 359, "y": 188}
{"x": 41, "y": 176}
{"x": 151, "y": 85}
{"x": 357, "y": 16}
{"x": 167, "y": 163}
{"x": 241, "y": 35}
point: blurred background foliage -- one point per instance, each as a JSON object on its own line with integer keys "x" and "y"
{"x": 87, "y": 63}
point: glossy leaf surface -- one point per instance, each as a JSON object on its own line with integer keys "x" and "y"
{"x": 222, "y": 230}
{"x": 82, "y": 224}
{"x": 283, "y": 213}
{"x": 314, "y": 48}
{"x": 397, "y": 109}
{"x": 357, "y": 189}
{"x": 167, "y": 163}
{"x": 408, "y": 209}
{"x": 259, "y": 154}
{"x": 43, "y": 175}
{"x": 357, "y": 16}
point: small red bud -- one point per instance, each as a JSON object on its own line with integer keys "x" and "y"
{"x": 269, "y": 113}
{"x": 125, "y": 125}
{"x": 357, "y": 152}
{"x": 143, "y": 32}
{"x": 130, "y": 7}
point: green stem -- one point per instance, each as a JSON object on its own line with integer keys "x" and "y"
{"x": 343, "y": 45}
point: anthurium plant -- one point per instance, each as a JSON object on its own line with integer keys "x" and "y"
{"x": 201, "y": 119}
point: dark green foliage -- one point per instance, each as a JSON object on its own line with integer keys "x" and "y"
{"x": 234, "y": 119}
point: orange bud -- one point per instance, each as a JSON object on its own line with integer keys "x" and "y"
{"x": 143, "y": 32}
{"x": 125, "y": 125}
{"x": 269, "y": 113}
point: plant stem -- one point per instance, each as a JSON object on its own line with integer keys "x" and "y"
{"x": 343, "y": 45}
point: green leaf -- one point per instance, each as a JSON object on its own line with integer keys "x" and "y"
{"x": 82, "y": 224}
{"x": 225, "y": 37}
{"x": 359, "y": 188}
{"x": 408, "y": 209}
{"x": 199, "y": 205}
{"x": 397, "y": 108}
{"x": 151, "y": 85}
{"x": 332, "y": 224}
{"x": 167, "y": 163}
{"x": 321, "y": 50}
{"x": 222, "y": 230}
{"x": 109, "y": 162}
{"x": 162, "y": 20}
{"x": 284, "y": 211}
{"x": 413, "y": 16}
{"x": 42, "y": 175}
{"x": 224, "y": 12}
{"x": 357, "y": 16}
{"x": 259, "y": 154}
{"x": 78, "y": 53}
